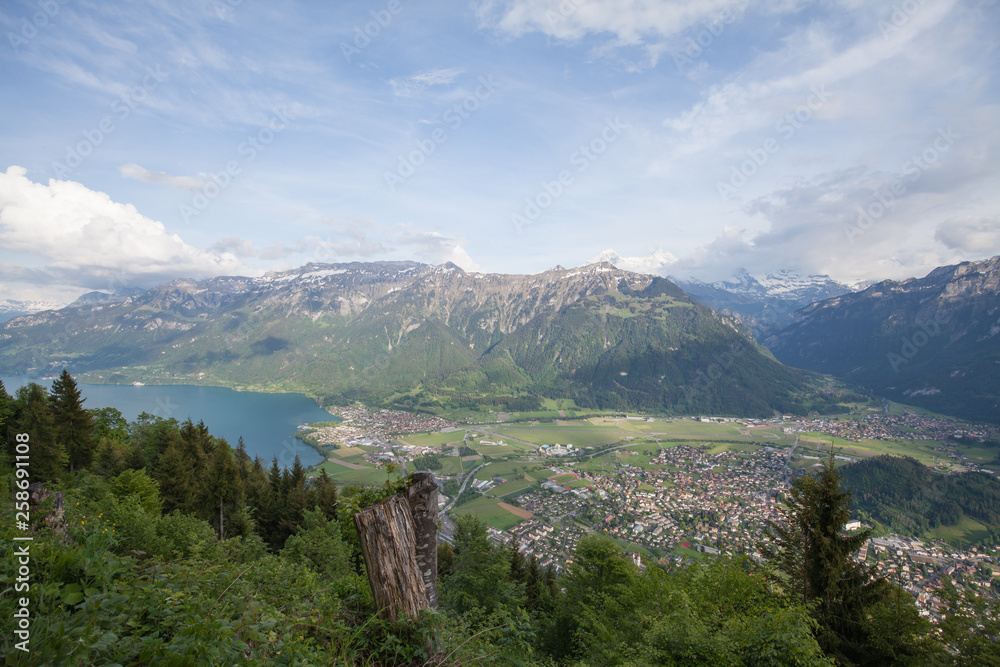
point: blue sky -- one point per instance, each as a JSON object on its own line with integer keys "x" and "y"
{"x": 149, "y": 140}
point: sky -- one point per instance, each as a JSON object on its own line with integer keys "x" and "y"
{"x": 147, "y": 140}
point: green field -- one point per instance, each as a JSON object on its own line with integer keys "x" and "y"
{"x": 690, "y": 553}
{"x": 433, "y": 439}
{"x": 491, "y": 513}
{"x": 921, "y": 450}
{"x": 512, "y": 488}
{"x": 497, "y": 450}
{"x": 549, "y": 435}
{"x": 511, "y": 470}
{"x": 719, "y": 447}
{"x": 966, "y": 532}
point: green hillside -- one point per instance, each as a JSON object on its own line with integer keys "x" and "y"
{"x": 909, "y": 498}
{"x": 423, "y": 337}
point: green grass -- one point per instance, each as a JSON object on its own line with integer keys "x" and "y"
{"x": 691, "y": 427}
{"x": 490, "y": 512}
{"x": 512, "y": 488}
{"x": 551, "y": 435}
{"x": 498, "y": 450}
{"x": 690, "y": 553}
{"x": 966, "y": 532}
{"x": 719, "y": 447}
{"x": 434, "y": 439}
{"x": 511, "y": 470}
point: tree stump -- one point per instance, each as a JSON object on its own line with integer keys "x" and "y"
{"x": 385, "y": 530}
{"x": 422, "y": 496}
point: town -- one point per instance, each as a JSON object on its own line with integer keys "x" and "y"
{"x": 663, "y": 493}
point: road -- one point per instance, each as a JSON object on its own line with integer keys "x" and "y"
{"x": 465, "y": 483}
{"x": 789, "y": 459}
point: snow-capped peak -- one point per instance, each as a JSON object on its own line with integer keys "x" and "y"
{"x": 782, "y": 284}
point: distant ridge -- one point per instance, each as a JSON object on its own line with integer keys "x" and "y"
{"x": 424, "y": 337}
{"x": 931, "y": 341}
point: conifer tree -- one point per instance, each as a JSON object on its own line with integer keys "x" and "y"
{"x": 326, "y": 495}
{"x": 176, "y": 474}
{"x": 6, "y": 411}
{"x": 815, "y": 557}
{"x": 48, "y": 457}
{"x": 74, "y": 426}
{"x": 226, "y": 486}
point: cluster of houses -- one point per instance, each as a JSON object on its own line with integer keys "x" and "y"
{"x": 882, "y": 426}
{"x": 919, "y": 567}
{"x": 720, "y": 500}
{"x": 384, "y": 423}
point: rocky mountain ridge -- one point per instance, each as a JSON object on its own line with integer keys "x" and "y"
{"x": 933, "y": 341}
{"x": 413, "y": 333}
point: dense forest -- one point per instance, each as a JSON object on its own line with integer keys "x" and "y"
{"x": 177, "y": 549}
{"x": 909, "y": 498}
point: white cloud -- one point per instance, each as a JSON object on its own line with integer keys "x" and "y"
{"x": 413, "y": 84}
{"x": 630, "y": 21}
{"x": 235, "y": 246}
{"x": 808, "y": 75}
{"x": 655, "y": 263}
{"x": 185, "y": 183}
{"x": 66, "y": 234}
{"x": 436, "y": 248}
{"x": 977, "y": 235}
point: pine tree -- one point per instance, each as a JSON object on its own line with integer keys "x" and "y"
{"x": 48, "y": 457}
{"x": 176, "y": 474}
{"x": 74, "y": 426}
{"x": 326, "y": 495}
{"x": 815, "y": 558}
{"x": 226, "y": 487}
{"x": 6, "y": 411}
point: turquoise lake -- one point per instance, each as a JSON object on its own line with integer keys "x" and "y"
{"x": 267, "y": 422}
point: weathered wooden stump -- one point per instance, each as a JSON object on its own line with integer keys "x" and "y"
{"x": 398, "y": 538}
{"x": 49, "y": 505}
{"x": 422, "y": 496}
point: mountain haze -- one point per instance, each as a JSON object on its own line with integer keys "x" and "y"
{"x": 764, "y": 303}
{"x": 932, "y": 341}
{"x": 424, "y": 337}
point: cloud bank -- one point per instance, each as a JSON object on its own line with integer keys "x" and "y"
{"x": 64, "y": 233}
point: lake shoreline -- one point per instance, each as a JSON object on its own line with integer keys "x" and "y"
{"x": 268, "y": 420}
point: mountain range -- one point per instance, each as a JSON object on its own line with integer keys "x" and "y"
{"x": 931, "y": 341}
{"x": 11, "y": 308}
{"x": 764, "y": 302}
{"x": 425, "y": 337}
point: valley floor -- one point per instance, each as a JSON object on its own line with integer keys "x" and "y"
{"x": 678, "y": 489}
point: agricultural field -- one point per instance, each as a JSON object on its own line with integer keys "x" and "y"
{"x": 965, "y": 532}
{"x": 512, "y": 488}
{"x": 512, "y": 470}
{"x": 490, "y": 511}
{"x": 433, "y": 439}
{"x": 578, "y": 436}
{"x": 496, "y": 451}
